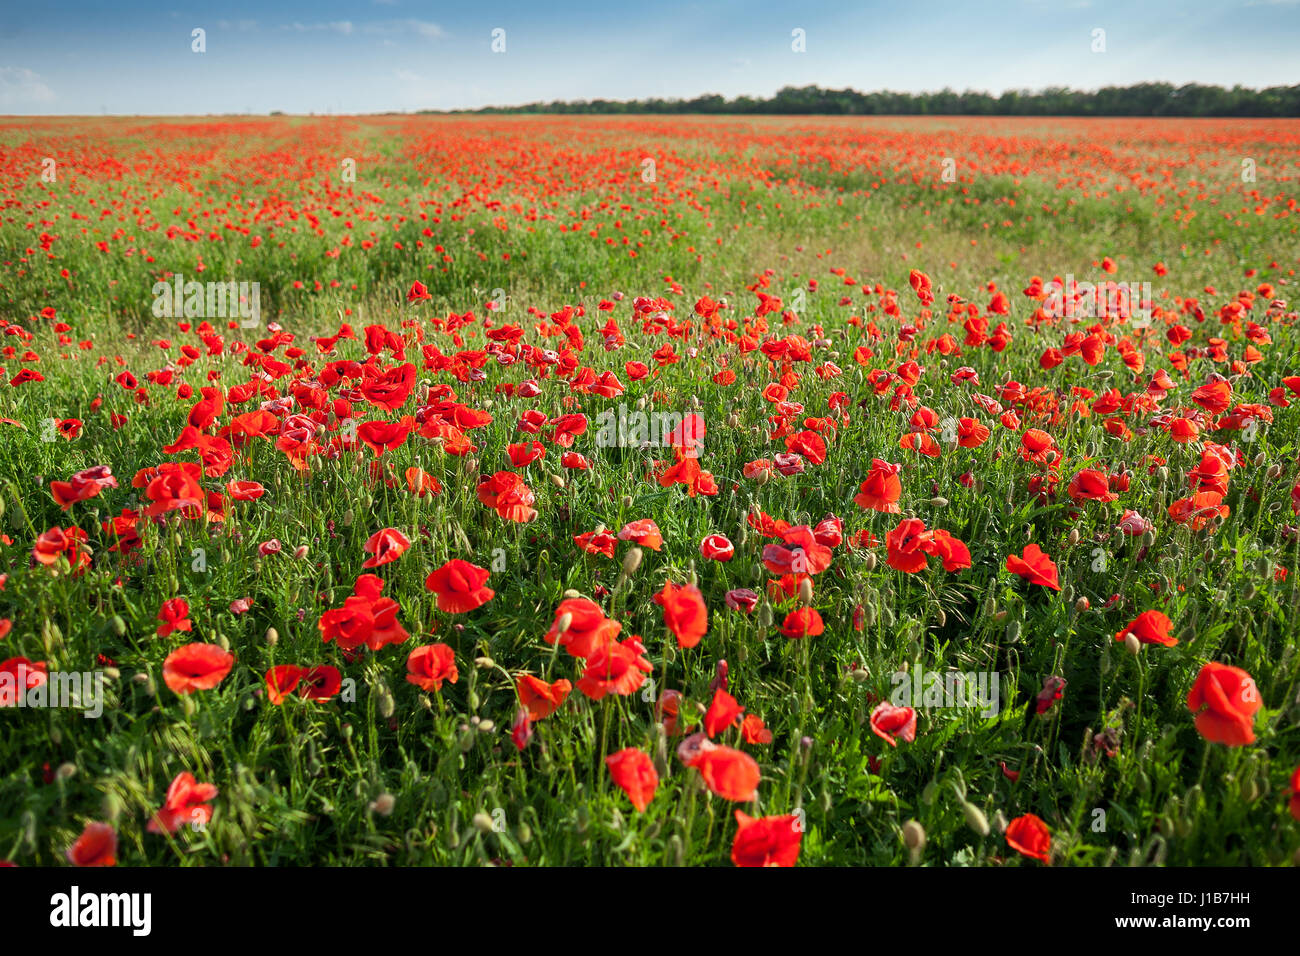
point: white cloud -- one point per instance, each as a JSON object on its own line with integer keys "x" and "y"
{"x": 19, "y": 86}
{"x": 424, "y": 28}
{"x": 343, "y": 27}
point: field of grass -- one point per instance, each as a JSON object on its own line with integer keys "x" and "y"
{"x": 863, "y": 324}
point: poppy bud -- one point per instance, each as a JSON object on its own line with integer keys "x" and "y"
{"x": 975, "y": 818}
{"x": 387, "y": 705}
{"x": 676, "y": 850}
{"x": 570, "y": 594}
{"x": 1273, "y": 474}
{"x": 1000, "y": 822}
{"x": 1000, "y": 617}
{"x": 860, "y": 674}
{"x": 485, "y": 663}
{"x": 870, "y": 562}
{"x": 66, "y": 771}
{"x": 632, "y": 561}
{"x": 1082, "y": 605}
{"x": 223, "y": 642}
{"x": 764, "y": 619}
{"x": 112, "y": 673}
{"x": 1132, "y": 644}
{"x": 914, "y": 837}
{"x": 300, "y": 552}
{"x": 939, "y": 502}
{"x": 272, "y": 636}
{"x": 119, "y": 625}
{"x": 627, "y": 501}
{"x": 1248, "y": 592}
{"x": 1260, "y": 459}
{"x": 563, "y": 624}
{"x": 806, "y": 591}
{"x": 383, "y": 804}
{"x": 558, "y": 481}
{"x": 348, "y": 518}
{"x": 1148, "y": 539}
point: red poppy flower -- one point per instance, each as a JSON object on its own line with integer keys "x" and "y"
{"x": 644, "y": 533}
{"x": 196, "y": 667}
{"x": 722, "y": 713}
{"x": 1028, "y": 835}
{"x": 1225, "y": 700}
{"x": 427, "y": 667}
{"x": 460, "y": 586}
{"x": 716, "y": 547}
{"x": 634, "y": 773}
{"x": 175, "y": 616}
{"x": 186, "y": 803}
{"x": 892, "y": 724}
{"x": 282, "y": 681}
{"x": 803, "y": 622}
{"x": 387, "y": 545}
{"x": 766, "y": 841}
{"x": 685, "y": 613}
{"x": 588, "y": 629}
{"x": 1150, "y": 627}
{"x": 617, "y": 668}
{"x": 539, "y": 698}
{"x": 97, "y": 846}
{"x": 245, "y": 490}
{"x": 731, "y": 774}
{"x": 1035, "y": 567}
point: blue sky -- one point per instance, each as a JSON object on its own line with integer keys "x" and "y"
{"x": 375, "y": 55}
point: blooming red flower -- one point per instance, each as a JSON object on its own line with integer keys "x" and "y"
{"x": 722, "y": 713}
{"x": 18, "y": 675}
{"x": 194, "y": 667}
{"x": 717, "y": 547}
{"x": 1225, "y": 700}
{"x": 588, "y": 629}
{"x": 803, "y": 622}
{"x": 881, "y": 489}
{"x": 427, "y": 667}
{"x": 766, "y": 841}
{"x": 616, "y": 668}
{"x": 387, "y": 545}
{"x": 892, "y": 724}
{"x": 1035, "y": 567}
{"x": 175, "y": 616}
{"x": 539, "y": 698}
{"x": 1028, "y": 835}
{"x": 97, "y": 846}
{"x": 729, "y": 773}
{"x": 1150, "y": 627}
{"x": 634, "y": 773}
{"x": 460, "y": 586}
{"x": 685, "y": 613}
{"x": 186, "y": 803}
{"x": 644, "y": 533}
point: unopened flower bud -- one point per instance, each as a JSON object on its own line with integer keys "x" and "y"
{"x": 383, "y": 804}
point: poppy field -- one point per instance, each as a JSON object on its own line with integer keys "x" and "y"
{"x": 625, "y": 491}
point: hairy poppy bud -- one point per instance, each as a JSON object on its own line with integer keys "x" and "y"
{"x": 272, "y": 636}
{"x": 870, "y": 562}
{"x": 914, "y": 837}
{"x": 975, "y": 818}
{"x": 1082, "y": 605}
{"x": 383, "y": 804}
{"x": 1132, "y": 644}
{"x": 806, "y": 591}
{"x": 1074, "y": 537}
{"x": 564, "y": 623}
{"x": 632, "y": 561}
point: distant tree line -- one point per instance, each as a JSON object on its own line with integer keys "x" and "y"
{"x": 1142, "y": 99}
